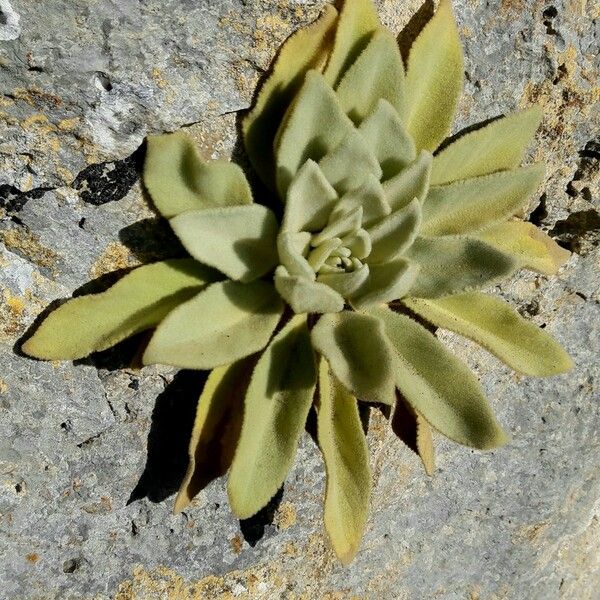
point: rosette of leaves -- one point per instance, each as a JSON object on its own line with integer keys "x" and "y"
{"x": 386, "y": 232}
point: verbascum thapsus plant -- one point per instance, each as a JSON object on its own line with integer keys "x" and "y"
{"x": 386, "y": 233}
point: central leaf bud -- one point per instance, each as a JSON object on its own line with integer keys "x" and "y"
{"x": 342, "y": 245}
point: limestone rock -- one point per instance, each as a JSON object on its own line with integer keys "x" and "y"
{"x": 91, "y": 453}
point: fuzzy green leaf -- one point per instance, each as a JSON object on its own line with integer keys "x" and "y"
{"x": 434, "y": 79}
{"x": 224, "y": 323}
{"x": 410, "y": 183}
{"x": 394, "y": 234}
{"x": 438, "y": 385}
{"x": 239, "y": 241}
{"x": 369, "y": 196}
{"x": 310, "y": 200}
{"x": 527, "y": 244}
{"x": 277, "y": 402}
{"x": 449, "y": 265}
{"x": 346, "y": 455}
{"x": 495, "y": 147}
{"x": 306, "y": 296}
{"x": 216, "y": 428}
{"x": 138, "y": 301}
{"x": 305, "y": 49}
{"x": 472, "y": 204}
{"x": 500, "y": 329}
{"x": 358, "y": 353}
{"x": 292, "y": 247}
{"x": 349, "y": 165}
{"x": 314, "y": 126}
{"x": 376, "y": 75}
{"x": 388, "y": 281}
{"x": 179, "y": 180}
{"x": 386, "y": 135}
{"x": 358, "y": 20}
{"x": 415, "y": 432}
{"x": 346, "y": 284}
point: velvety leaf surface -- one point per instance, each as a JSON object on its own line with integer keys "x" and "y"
{"x": 138, "y": 301}
{"x": 376, "y": 75}
{"x": 310, "y": 199}
{"x": 358, "y": 353}
{"x": 227, "y": 321}
{"x": 410, "y": 183}
{"x": 438, "y": 385}
{"x": 314, "y": 126}
{"x": 415, "y": 432}
{"x": 277, "y": 402}
{"x": 179, "y": 180}
{"x": 386, "y": 136}
{"x": 291, "y": 247}
{"x": 357, "y": 21}
{"x": 346, "y": 284}
{"x": 305, "y": 49}
{"x": 499, "y": 328}
{"x": 434, "y": 79}
{"x": 394, "y": 234}
{"x": 306, "y": 296}
{"x": 344, "y": 448}
{"x": 370, "y": 197}
{"x": 472, "y": 204}
{"x": 388, "y": 281}
{"x": 495, "y": 147}
{"x": 216, "y": 428}
{"x": 529, "y": 245}
{"x": 239, "y": 241}
{"x": 349, "y": 164}
{"x": 449, "y": 265}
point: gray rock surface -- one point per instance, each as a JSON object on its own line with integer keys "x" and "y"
{"x": 91, "y": 453}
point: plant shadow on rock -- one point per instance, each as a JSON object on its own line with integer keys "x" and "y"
{"x": 169, "y": 437}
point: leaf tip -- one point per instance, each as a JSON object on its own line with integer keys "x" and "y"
{"x": 181, "y": 502}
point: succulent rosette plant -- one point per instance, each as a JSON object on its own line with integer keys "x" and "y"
{"x": 386, "y": 232}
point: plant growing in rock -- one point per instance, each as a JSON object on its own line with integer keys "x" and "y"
{"x": 384, "y": 231}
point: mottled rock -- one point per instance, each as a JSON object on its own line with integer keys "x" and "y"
{"x": 91, "y": 453}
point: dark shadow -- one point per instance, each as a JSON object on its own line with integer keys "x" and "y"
{"x": 151, "y": 240}
{"x": 261, "y": 193}
{"x": 404, "y": 422}
{"x": 311, "y": 424}
{"x": 169, "y": 437}
{"x": 364, "y": 413}
{"x": 124, "y": 355}
{"x": 215, "y": 445}
{"x": 402, "y": 309}
{"x": 254, "y": 528}
{"x": 110, "y": 181}
{"x": 414, "y": 27}
{"x": 101, "y": 283}
{"x": 579, "y": 229}
{"x": 469, "y": 129}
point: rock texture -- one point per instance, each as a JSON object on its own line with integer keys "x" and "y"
{"x": 91, "y": 453}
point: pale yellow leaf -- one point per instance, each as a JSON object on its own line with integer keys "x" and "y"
{"x": 277, "y": 402}
{"x": 344, "y": 448}
{"x": 434, "y": 79}
{"x": 216, "y": 428}
{"x": 138, "y": 301}
{"x": 305, "y": 49}
{"x": 496, "y": 326}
